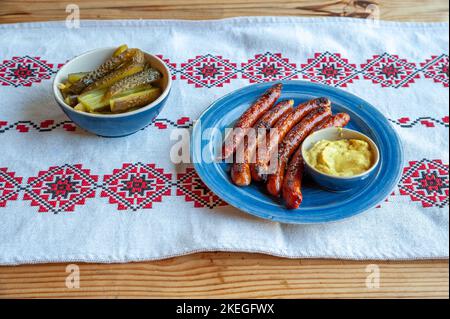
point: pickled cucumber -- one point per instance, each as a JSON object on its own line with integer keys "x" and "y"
{"x": 107, "y": 67}
{"x": 63, "y": 86}
{"x": 80, "y": 108}
{"x": 138, "y": 56}
{"x": 68, "y": 96}
{"x": 120, "y": 50}
{"x": 71, "y": 100}
{"x": 93, "y": 100}
{"x": 74, "y": 77}
{"x": 125, "y": 103}
{"x": 122, "y": 84}
{"x": 149, "y": 75}
{"x": 115, "y": 76}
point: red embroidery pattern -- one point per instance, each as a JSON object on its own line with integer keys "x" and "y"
{"x": 390, "y": 71}
{"x": 324, "y": 67}
{"x": 208, "y": 71}
{"x": 330, "y": 69}
{"x": 385, "y": 201}
{"x": 427, "y": 182}
{"x": 60, "y": 188}
{"x": 269, "y": 67}
{"x": 9, "y": 186}
{"x": 24, "y": 71}
{"x": 136, "y": 186}
{"x": 428, "y": 122}
{"x": 186, "y": 122}
{"x": 436, "y": 68}
{"x": 172, "y": 66}
{"x": 50, "y": 125}
{"x": 183, "y": 122}
{"x": 44, "y": 126}
{"x": 194, "y": 190}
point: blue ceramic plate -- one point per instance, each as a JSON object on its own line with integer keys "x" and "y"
{"x": 319, "y": 206}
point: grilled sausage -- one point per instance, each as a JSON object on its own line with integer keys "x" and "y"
{"x": 283, "y": 126}
{"x": 337, "y": 120}
{"x": 249, "y": 118}
{"x": 292, "y": 184}
{"x": 240, "y": 172}
{"x": 290, "y": 143}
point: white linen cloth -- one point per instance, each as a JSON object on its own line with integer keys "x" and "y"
{"x": 64, "y": 194}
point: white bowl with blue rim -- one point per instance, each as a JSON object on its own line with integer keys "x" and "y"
{"x": 339, "y": 183}
{"x": 112, "y": 125}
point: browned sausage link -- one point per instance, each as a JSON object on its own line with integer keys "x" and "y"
{"x": 269, "y": 119}
{"x": 240, "y": 172}
{"x": 249, "y": 118}
{"x": 290, "y": 143}
{"x": 324, "y": 124}
{"x": 337, "y": 120}
{"x": 292, "y": 184}
{"x": 283, "y": 126}
{"x": 256, "y": 167}
{"x": 340, "y": 120}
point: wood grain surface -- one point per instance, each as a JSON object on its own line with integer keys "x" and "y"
{"x": 223, "y": 275}
{"x": 216, "y": 275}
{"x": 401, "y": 10}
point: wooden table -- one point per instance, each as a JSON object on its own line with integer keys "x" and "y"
{"x": 236, "y": 275}
{"x": 405, "y": 10}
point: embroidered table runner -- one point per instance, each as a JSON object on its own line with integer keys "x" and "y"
{"x": 64, "y": 194}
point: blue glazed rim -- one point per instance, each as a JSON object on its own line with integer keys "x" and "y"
{"x": 383, "y": 181}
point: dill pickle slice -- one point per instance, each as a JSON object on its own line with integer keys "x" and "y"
{"x": 120, "y": 50}
{"x": 63, "y": 86}
{"x": 80, "y": 108}
{"x": 130, "y": 55}
{"x": 138, "y": 57}
{"x": 115, "y": 76}
{"x": 146, "y": 77}
{"x": 136, "y": 100}
{"x": 71, "y": 100}
{"x": 75, "y": 77}
{"x": 93, "y": 100}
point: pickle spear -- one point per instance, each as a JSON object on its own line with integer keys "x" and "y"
{"x": 75, "y": 77}
{"x": 140, "y": 79}
{"x": 115, "y": 76}
{"x": 71, "y": 100}
{"x": 120, "y": 50}
{"x": 107, "y": 67}
{"x": 80, "y": 108}
{"x": 125, "y": 103}
{"x": 93, "y": 100}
